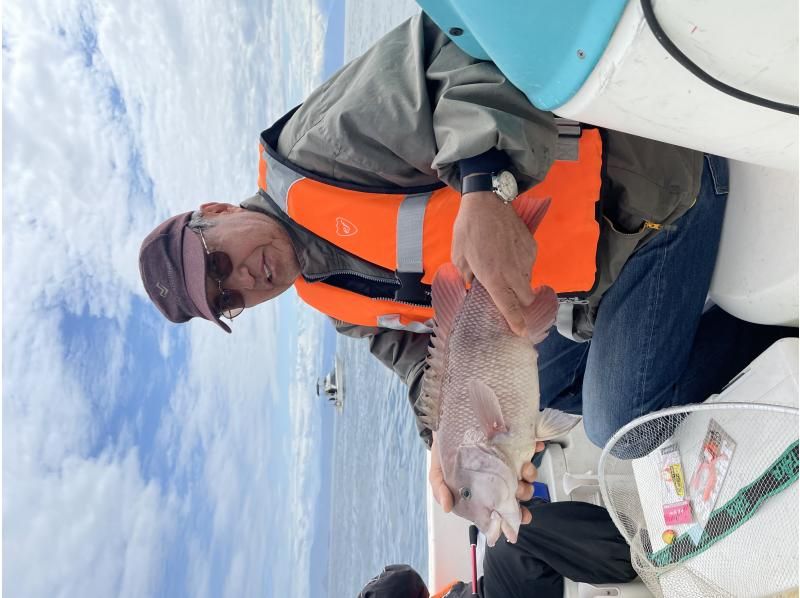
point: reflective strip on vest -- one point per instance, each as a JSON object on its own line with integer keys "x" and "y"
{"x": 410, "y": 218}
{"x": 279, "y": 179}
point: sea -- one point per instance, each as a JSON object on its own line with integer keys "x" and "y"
{"x": 377, "y": 510}
{"x": 379, "y": 476}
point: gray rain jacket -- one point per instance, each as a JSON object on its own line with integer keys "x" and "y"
{"x": 408, "y": 110}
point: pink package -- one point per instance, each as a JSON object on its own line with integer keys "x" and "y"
{"x": 679, "y": 512}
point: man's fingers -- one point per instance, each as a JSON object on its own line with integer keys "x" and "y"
{"x": 524, "y": 491}
{"x": 468, "y": 276}
{"x": 526, "y": 516}
{"x": 463, "y": 267}
{"x": 539, "y": 447}
{"x": 529, "y": 472}
{"x": 439, "y": 489}
{"x": 507, "y": 302}
{"x": 444, "y": 497}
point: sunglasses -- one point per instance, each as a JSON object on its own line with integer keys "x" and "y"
{"x": 227, "y": 303}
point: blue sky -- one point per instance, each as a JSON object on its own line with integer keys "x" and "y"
{"x": 141, "y": 457}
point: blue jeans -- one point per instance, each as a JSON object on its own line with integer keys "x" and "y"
{"x": 652, "y": 345}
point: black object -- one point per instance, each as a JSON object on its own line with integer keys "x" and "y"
{"x": 683, "y": 60}
{"x": 565, "y": 539}
{"x": 411, "y": 289}
{"x": 477, "y": 182}
{"x": 395, "y": 581}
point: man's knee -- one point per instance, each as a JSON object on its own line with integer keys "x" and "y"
{"x": 602, "y": 424}
{"x": 604, "y": 413}
{"x": 598, "y": 428}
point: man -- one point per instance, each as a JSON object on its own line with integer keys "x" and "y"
{"x": 569, "y": 539}
{"x": 416, "y": 120}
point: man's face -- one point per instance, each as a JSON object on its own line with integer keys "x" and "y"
{"x": 264, "y": 262}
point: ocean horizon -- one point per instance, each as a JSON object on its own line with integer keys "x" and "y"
{"x": 379, "y": 476}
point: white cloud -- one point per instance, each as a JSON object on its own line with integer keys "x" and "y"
{"x": 92, "y": 527}
{"x": 66, "y": 170}
{"x": 117, "y": 115}
{"x": 224, "y": 413}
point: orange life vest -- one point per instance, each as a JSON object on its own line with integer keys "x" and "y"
{"x": 409, "y": 231}
{"x": 444, "y": 591}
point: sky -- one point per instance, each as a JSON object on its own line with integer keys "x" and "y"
{"x": 141, "y": 457}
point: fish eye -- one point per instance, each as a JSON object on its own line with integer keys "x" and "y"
{"x": 465, "y": 493}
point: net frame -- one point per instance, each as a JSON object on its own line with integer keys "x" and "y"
{"x": 622, "y": 496}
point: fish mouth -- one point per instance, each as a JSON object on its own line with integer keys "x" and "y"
{"x": 508, "y": 525}
{"x": 495, "y": 527}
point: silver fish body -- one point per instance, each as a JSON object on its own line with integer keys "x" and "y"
{"x": 481, "y": 398}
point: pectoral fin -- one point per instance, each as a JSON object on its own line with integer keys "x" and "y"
{"x": 553, "y": 423}
{"x": 487, "y": 408}
{"x": 531, "y": 210}
{"x": 541, "y": 314}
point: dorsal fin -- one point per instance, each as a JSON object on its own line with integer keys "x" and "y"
{"x": 531, "y": 210}
{"x": 448, "y": 294}
{"x": 448, "y": 297}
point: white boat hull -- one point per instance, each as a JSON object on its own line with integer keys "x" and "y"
{"x": 638, "y": 88}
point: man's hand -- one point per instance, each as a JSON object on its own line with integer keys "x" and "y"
{"x": 445, "y": 499}
{"x": 440, "y": 490}
{"x": 492, "y": 244}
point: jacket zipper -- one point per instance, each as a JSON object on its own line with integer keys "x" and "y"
{"x": 317, "y": 277}
{"x": 393, "y": 300}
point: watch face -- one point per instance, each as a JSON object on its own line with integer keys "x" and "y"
{"x": 505, "y": 185}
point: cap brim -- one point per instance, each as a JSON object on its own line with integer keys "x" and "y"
{"x": 194, "y": 276}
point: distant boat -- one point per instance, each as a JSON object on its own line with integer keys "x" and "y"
{"x": 331, "y": 386}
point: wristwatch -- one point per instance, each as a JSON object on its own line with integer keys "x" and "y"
{"x": 502, "y": 183}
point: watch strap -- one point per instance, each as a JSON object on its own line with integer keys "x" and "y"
{"x": 477, "y": 182}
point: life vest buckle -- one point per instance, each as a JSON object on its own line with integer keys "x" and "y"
{"x": 411, "y": 289}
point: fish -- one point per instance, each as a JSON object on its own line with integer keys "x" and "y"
{"x": 480, "y": 394}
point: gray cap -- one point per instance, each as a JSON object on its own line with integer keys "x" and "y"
{"x": 172, "y": 263}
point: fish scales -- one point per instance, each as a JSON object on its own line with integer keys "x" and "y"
{"x": 481, "y": 394}
{"x": 481, "y": 346}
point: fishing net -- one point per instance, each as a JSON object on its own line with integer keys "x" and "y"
{"x": 707, "y": 497}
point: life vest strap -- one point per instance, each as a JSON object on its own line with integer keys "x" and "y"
{"x": 569, "y": 133}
